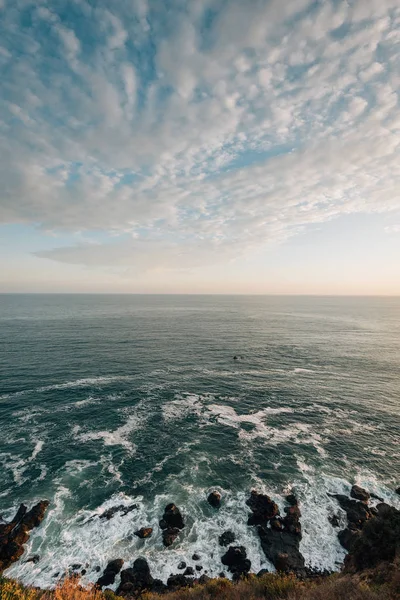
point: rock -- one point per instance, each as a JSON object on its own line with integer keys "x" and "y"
{"x": 136, "y": 579}
{"x": 33, "y": 559}
{"x": 378, "y": 540}
{"x": 226, "y": 538}
{"x": 195, "y": 557}
{"x": 83, "y": 572}
{"x": 222, "y": 574}
{"x": 189, "y": 572}
{"x": 276, "y": 524}
{"x": 144, "y": 532}
{"x": 172, "y": 517}
{"x": 199, "y": 568}
{"x": 214, "y": 499}
{"x": 204, "y": 579}
{"x": 291, "y": 522}
{"x": 334, "y": 520}
{"x": 158, "y": 587}
{"x": 357, "y": 512}
{"x": 236, "y": 560}
{"x": 75, "y": 567}
{"x": 235, "y": 358}
{"x": 175, "y": 582}
{"x": 182, "y": 565}
{"x": 171, "y": 523}
{"x": 376, "y": 497}
{"x": 397, "y": 490}
{"x": 291, "y": 499}
{"x": 263, "y": 508}
{"x": 15, "y": 534}
{"x": 35, "y": 516}
{"x": 110, "y": 572}
{"x": 347, "y": 537}
{"x": 121, "y": 508}
{"x": 169, "y": 535}
{"x": 282, "y": 549}
{"x": 359, "y": 493}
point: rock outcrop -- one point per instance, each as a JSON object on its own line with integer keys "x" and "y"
{"x": 110, "y": 573}
{"x": 15, "y": 534}
{"x": 237, "y": 562}
{"x": 138, "y": 579}
{"x": 214, "y": 499}
{"x": 171, "y": 523}
{"x": 378, "y": 540}
{"x": 280, "y": 536}
{"x": 262, "y": 507}
{"x": 144, "y": 533}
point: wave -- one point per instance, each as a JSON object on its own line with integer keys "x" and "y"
{"x": 83, "y": 538}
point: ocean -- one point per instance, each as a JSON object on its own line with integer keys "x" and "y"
{"x": 110, "y": 400}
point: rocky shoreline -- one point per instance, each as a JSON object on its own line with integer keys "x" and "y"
{"x": 279, "y": 535}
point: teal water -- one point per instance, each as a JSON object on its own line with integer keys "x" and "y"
{"x": 109, "y": 400}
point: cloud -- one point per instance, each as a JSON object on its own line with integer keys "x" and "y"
{"x": 222, "y": 126}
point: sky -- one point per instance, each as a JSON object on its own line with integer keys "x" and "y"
{"x": 200, "y": 146}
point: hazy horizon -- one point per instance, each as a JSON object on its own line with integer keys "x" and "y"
{"x": 200, "y": 147}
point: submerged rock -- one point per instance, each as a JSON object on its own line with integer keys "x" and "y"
{"x": 226, "y": 538}
{"x": 262, "y": 507}
{"x": 15, "y": 534}
{"x": 236, "y": 560}
{"x": 214, "y": 499}
{"x": 121, "y": 508}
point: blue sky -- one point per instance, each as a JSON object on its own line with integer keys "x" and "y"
{"x": 200, "y": 146}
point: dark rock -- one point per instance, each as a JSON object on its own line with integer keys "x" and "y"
{"x": 75, "y": 567}
{"x": 33, "y": 559}
{"x": 158, "y": 587}
{"x": 379, "y": 540}
{"x": 397, "y": 490}
{"x": 375, "y": 497}
{"x": 204, "y": 579}
{"x": 35, "y": 516}
{"x": 15, "y": 534}
{"x": 214, "y": 499}
{"x": 173, "y": 517}
{"x": 235, "y": 358}
{"x": 291, "y": 499}
{"x": 195, "y": 557}
{"x": 334, "y": 520}
{"x": 222, "y": 574}
{"x": 110, "y": 572}
{"x": 263, "y": 508}
{"x": 347, "y": 537}
{"x": 97, "y": 569}
{"x": 276, "y": 524}
{"x": 236, "y": 560}
{"x": 291, "y": 522}
{"x": 182, "y": 565}
{"x": 226, "y": 538}
{"x": 136, "y": 579}
{"x": 169, "y": 535}
{"x": 189, "y": 572}
{"x": 357, "y": 512}
{"x": 282, "y": 549}
{"x": 121, "y": 508}
{"x": 359, "y": 493}
{"x": 144, "y": 532}
{"x": 175, "y": 582}
{"x": 199, "y": 568}
{"x": 83, "y": 572}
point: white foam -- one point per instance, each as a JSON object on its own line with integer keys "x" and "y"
{"x": 117, "y": 437}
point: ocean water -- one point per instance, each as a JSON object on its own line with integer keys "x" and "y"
{"x": 108, "y": 400}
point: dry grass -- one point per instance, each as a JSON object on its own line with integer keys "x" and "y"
{"x": 378, "y": 584}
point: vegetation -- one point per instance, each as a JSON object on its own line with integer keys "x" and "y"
{"x": 381, "y": 583}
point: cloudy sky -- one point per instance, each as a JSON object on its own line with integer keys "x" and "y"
{"x": 239, "y": 146}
